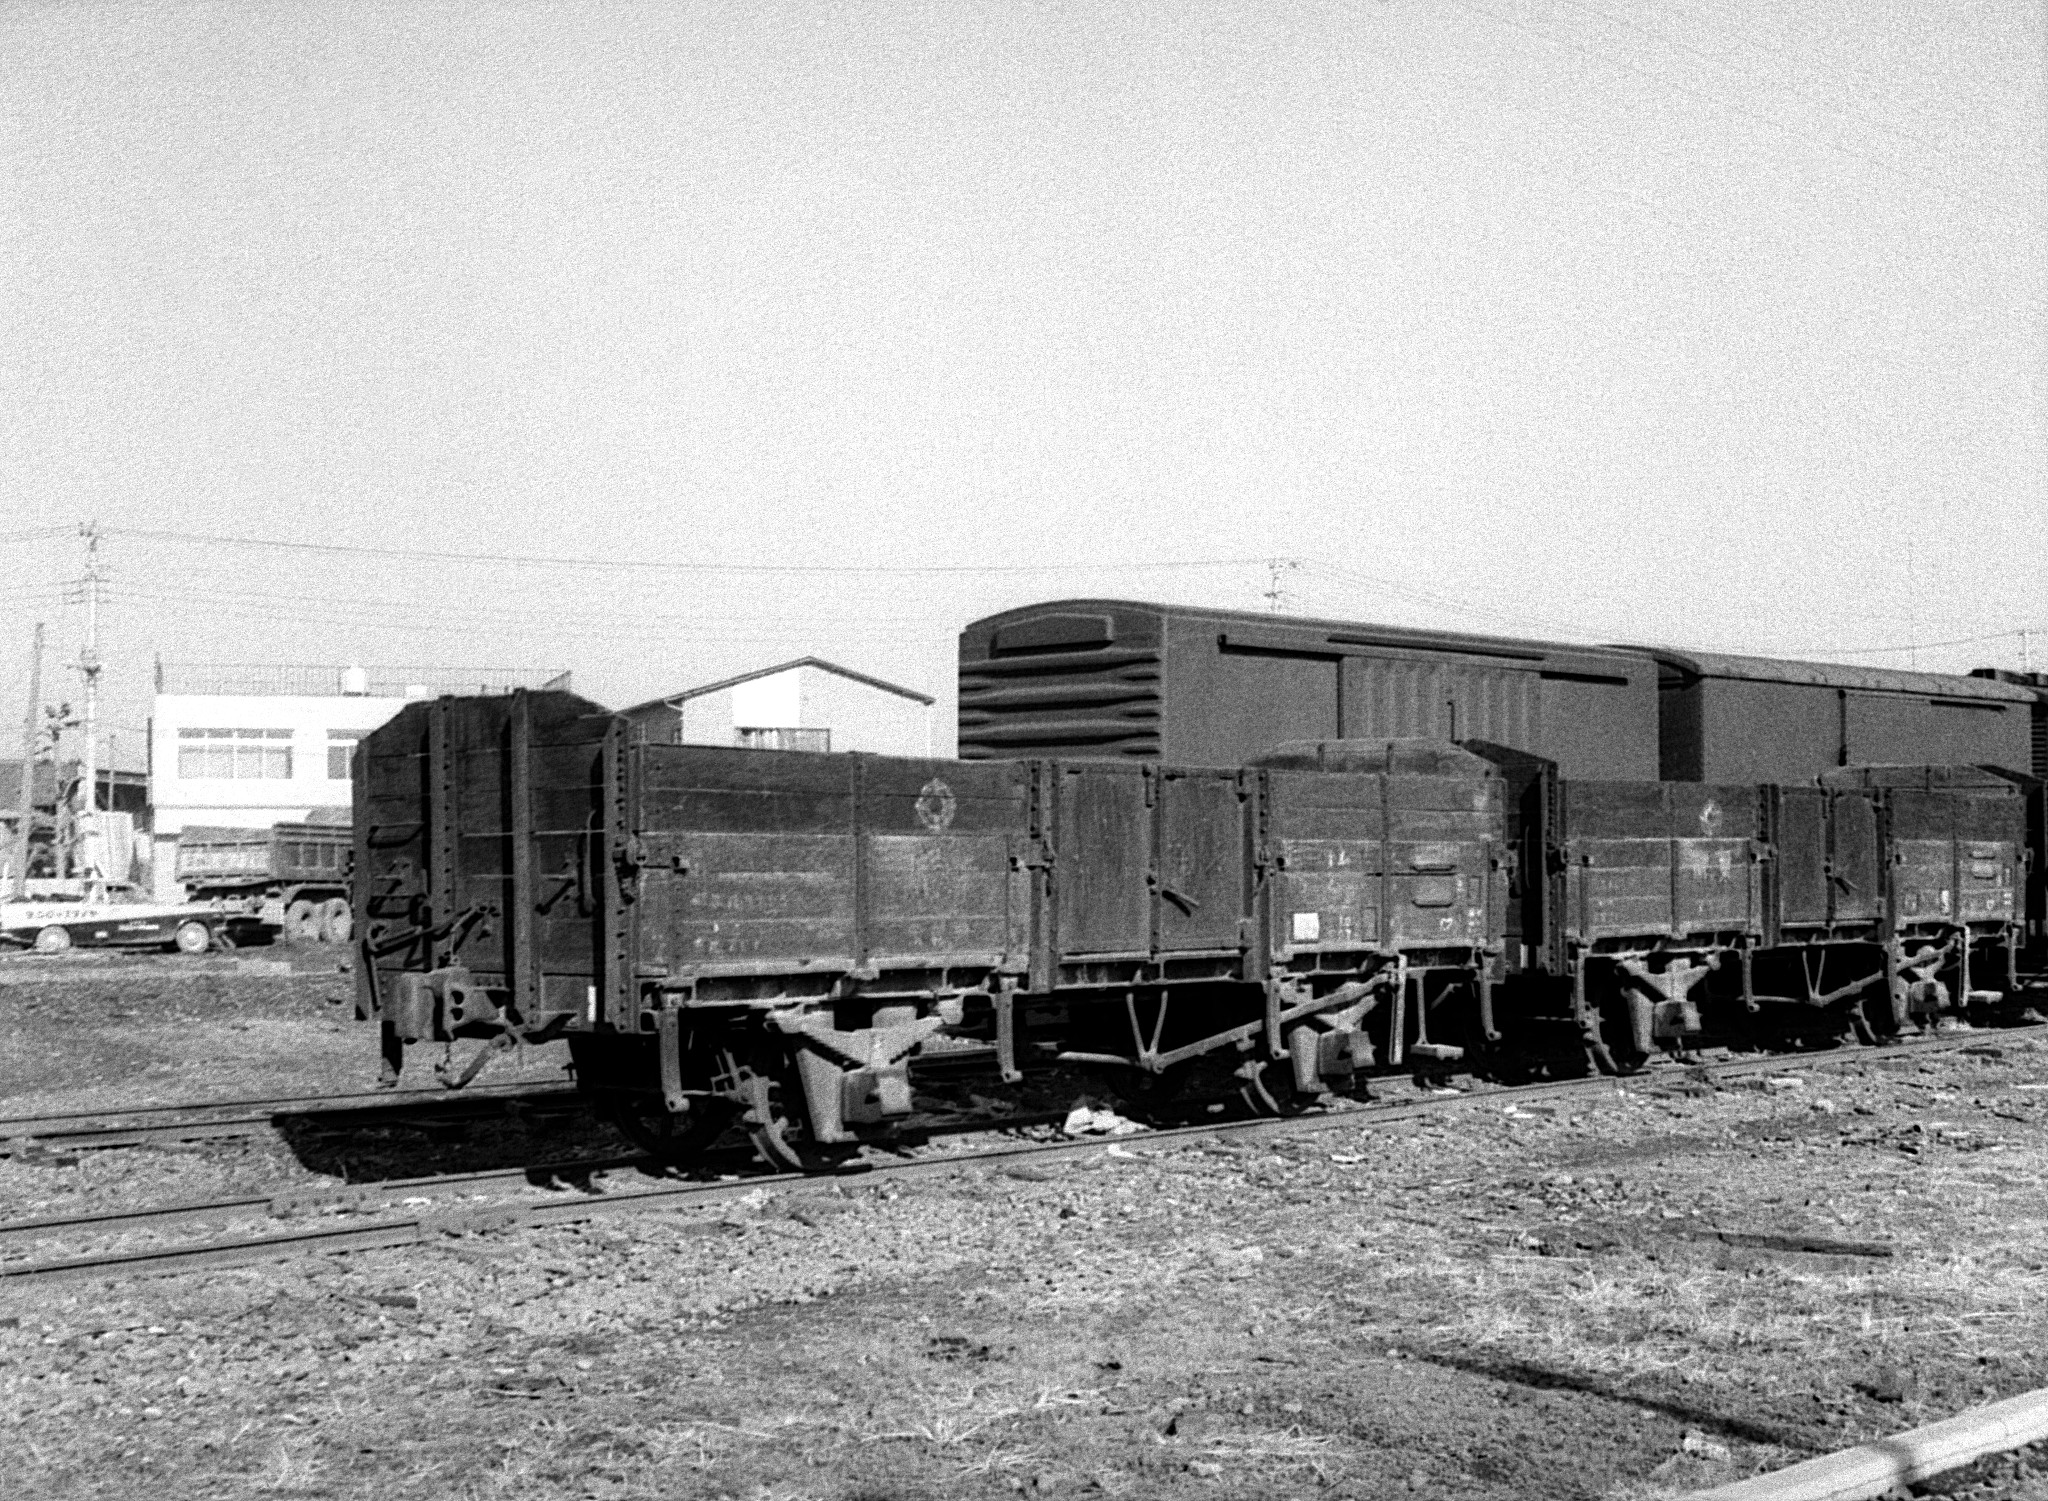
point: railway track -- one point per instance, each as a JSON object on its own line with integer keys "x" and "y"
{"x": 394, "y": 1222}
{"x": 208, "y": 1119}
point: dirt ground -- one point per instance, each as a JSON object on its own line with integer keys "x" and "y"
{"x": 1505, "y": 1301}
{"x": 86, "y": 1031}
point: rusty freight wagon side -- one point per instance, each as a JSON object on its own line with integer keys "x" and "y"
{"x": 1626, "y": 898}
{"x": 1822, "y": 961}
{"x": 1214, "y": 687}
{"x": 1662, "y": 885}
{"x": 1668, "y": 910}
{"x": 768, "y": 937}
{"x": 1652, "y": 887}
{"x": 479, "y": 863}
{"x": 714, "y": 931}
{"x": 1306, "y": 916}
{"x": 1140, "y": 876}
{"x": 1384, "y": 878}
{"x": 1952, "y": 855}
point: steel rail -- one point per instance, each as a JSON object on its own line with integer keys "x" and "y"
{"x": 287, "y": 1203}
{"x": 193, "y": 1120}
{"x": 218, "y": 1118}
{"x": 419, "y": 1228}
{"x": 361, "y": 1196}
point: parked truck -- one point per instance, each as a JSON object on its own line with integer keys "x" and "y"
{"x": 294, "y": 875}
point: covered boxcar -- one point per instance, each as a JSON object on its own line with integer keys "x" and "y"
{"x": 1214, "y": 687}
{"x": 1755, "y": 719}
{"x": 2036, "y": 685}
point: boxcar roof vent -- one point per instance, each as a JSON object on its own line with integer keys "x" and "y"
{"x": 1055, "y": 633}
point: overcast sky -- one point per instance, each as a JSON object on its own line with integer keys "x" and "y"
{"x": 1717, "y": 322}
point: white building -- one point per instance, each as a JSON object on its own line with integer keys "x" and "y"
{"x": 250, "y": 760}
{"x": 807, "y": 704}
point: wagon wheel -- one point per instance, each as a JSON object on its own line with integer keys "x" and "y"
{"x": 782, "y": 1142}
{"x": 675, "y": 1141}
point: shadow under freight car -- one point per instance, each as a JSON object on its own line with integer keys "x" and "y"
{"x": 452, "y": 1135}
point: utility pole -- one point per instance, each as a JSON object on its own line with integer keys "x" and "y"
{"x": 1275, "y": 596}
{"x": 27, "y": 800}
{"x": 2026, "y": 651}
{"x": 89, "y": 666}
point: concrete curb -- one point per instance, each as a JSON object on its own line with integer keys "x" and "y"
{"x": 1874, "y": 1468}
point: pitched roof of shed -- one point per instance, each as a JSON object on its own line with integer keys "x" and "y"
{"x": 675, "y": 700}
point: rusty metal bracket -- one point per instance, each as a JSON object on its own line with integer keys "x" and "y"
{"x": 456, "y": 929}
{"x": 1819, "y": 998}
{"x": 1588, "y": 1020}
{"x": 668, "y": 1026}
{"x": 568, "y": 878}
{"x": 1147, "y": 1049}
{"x": 1327, "y": 1041}
{"x": 861, "y": 1076}
{"x": 366, "y": 960}
{"x": 1915, "y": 985}
{"x": 1397, "y": 1019}
{"x": 503, "y": 1042}
{"x": 525, "y": 976}
{"x": 1004, "y": 999}
{"x": 1660, "y": 1002}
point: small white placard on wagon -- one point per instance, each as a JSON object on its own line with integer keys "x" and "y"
{"x": 1308, "y": 927}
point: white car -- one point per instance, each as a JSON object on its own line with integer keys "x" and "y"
{"x": 191, "y": 928}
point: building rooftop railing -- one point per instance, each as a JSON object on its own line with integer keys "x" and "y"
{"x": 317, "y": 679}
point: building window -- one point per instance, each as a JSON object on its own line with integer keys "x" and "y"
{"x": 234, "y": 755}
{"x": 339, "y": 744}
{"x": 796, "y": 740}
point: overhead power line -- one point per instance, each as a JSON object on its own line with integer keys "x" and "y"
{"x": 531, "y": 560}
{"x": 1355, "y": 579}
{"x": 1878, "y": 651}
{"x": 1603, "y": 58}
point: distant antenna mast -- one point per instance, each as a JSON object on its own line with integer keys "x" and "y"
{"x": 27, "y": 801}
{"x": 2026, "y": 651}
{"x": 1276, "y": 597}
{"x": 89, "y": 667}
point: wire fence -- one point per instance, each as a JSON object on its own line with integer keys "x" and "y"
{"x": 324, "y": 679}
